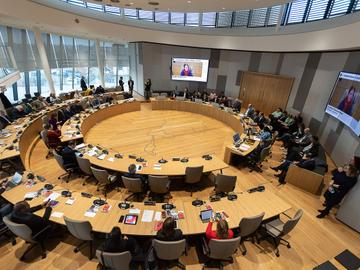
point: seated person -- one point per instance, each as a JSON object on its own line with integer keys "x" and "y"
{"x": 18, "y": 112}
{"x": 278, "y": 113}
{"x": 68, "y": 113}
{"x": 4, "y": 120}
{"x": 99, "y": 90}
{"x": 342, "y": 183}
{"x": 23, "y": 214}
{"x": 89, "y": 91}
{"x": 39, "y": 104}
{"x": 132, "y": 174}
{"x": 212, "y": 97}
{"x": 53, "y": 136}
{"x": 260, "y": 119}
{"x": 53, "y": 120}
{"x": 95, "y": 103}
{"x": 116, "y": 243}
{"x": 27, "y": 107}
{"x": 222, "y": 230}
{"x": 306, "y": 139}
{"x": 168, "y": 231}
{"x": 236, "y": 105}
{"x": 205, "y": 96}
{"x": 77, "y": 94}
{"x": 295, "y": 153}
{"x": 265, "y": 134}
{"x": 296, "y": 135}
{"x": 255, "y": 154}
{"x": 250, "y": 111}
{"x": 68, "y": 154}
{"x": 76, "y": 107}
{"x": 307, "y": 162}
{"x": 52, "y": 99}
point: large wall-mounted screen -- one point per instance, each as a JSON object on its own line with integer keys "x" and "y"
{"x": 189, "y": 69}
{"x": 344, "y": 101}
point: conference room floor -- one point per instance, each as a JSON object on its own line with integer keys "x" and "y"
{"x": 313, "y": 241}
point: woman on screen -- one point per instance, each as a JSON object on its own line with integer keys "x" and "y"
{"x": 186, "y": 71}
{"x": 348, "y": 101}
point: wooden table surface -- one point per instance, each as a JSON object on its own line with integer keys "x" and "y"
{"x": 247, "y": 204}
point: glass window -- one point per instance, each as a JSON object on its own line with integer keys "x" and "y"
{"x": 162, "y": 17}
{"x": 113, "y": 10}
{"x": 274, "y": 15}
{"x": 77, "y": 3}
{"x": 21, "y": 90}
{"x": 357, "y": 7}
{"x": 339, "y": 7}
{"x": 241, "y": 18}
{"x": 208, "y": 19}
{"x": 94, "y": 6}
{"x": 9, "y": 93}
{"x": 258, "y": 17}
{"x": 177, "y": 18}
{"x": 297, "y": 11}
{"x": 33, "y": 82}
{"x": 131, "y": 13}
{"x": 317, "y": 10}
{"x": 192, "y": 19}
{"x": 110, "y": 56}
{"x": 224, "y": 19}
{"x": 146, "y": 15}
{"x": 44, "y": 84}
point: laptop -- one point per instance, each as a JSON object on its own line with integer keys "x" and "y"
{"x": 236, "y": 139}
{"x": 205, "y": 215}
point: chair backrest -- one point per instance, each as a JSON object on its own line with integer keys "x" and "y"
{"x": 223, "y": 248}
{"x": 169, "y": 250}
{"x": 291, "y": 223}
{"x": 249, "y": 225}
{"x": 198, "y": 100}
{"x": 274, "y": 136}
{"x": 44, "y": 137}
{"x": 132, "y": 184}
{"x": 193, "y": 174}
{"x": 59, "y": 160}
{"x": 20, "y": 230}
{"x": 159, "y": 184}
{"x": 84, "y": 165}
{"x": 264, "y": 153}
{"x": 224, "y": 183}
{"x": 163, "y": 94}
{"x": 116, "y": 261}
{"x": 101, "y": 175}
{"x": 79, "y": 229}
{"x": 160, "y": 97}
{"x": 155, "y": 94}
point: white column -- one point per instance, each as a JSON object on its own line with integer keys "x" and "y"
{"x": 44, "y": 59}
{"x": 100, "y": 63}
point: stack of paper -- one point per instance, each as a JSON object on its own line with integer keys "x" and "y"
{"x": 147, "y": 216}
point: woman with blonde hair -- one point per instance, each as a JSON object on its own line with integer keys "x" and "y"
{"x": 222, "y": 230}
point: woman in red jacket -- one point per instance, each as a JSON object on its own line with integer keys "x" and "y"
{"x": 222, "y": 230}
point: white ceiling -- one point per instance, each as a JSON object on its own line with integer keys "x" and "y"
{"x": 192, "y": 5}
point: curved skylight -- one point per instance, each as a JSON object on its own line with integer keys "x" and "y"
{"x": 299, "y": 11}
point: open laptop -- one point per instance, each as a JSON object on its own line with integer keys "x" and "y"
{"x": 205, "y": 215}
{"x": 237, "y": 140}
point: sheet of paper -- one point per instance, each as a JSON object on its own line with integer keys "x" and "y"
{"x": 30, "y": 195}
{"x": 53, "y": 196}
{"x": 57, "y": 214}
{"x": 134, "y": 211}
{"x": 91, "y": 153}
{"x": 82, "y": 145}
{"x": 102, "y": 156}
{"x": 157, "y": 216}
{"x": 70, "y": 201}
{"x": 111, "y": 159}
{"x": 147, "y": 216}
{"x": 90, "y": 214}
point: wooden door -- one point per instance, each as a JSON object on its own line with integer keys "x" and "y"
{"x": 265, "y": 91}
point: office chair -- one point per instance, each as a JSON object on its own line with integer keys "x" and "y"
{"x": 69, "y": 168}
{"x": 257, "y": 164}
{"x": 133, "y": 185}
{"x": 81, "y": 230}
{"x": 5, "y": 210}
{"x": 115, "y": 261}
{"x": 193, "y": 176}
{"x": 159, "y": 185}
{"x": 24, "y": 232}
{"x": 220, "y": 250}
{"x": 45, "y": 119}
{"x": 276, "y": 229}
{"x": 224, "y": 184}
{"x": 103, "y": 178}
{"x": 85, "y": 167}
{"x": 169, "y": 252}
{"x": 247, "y": 228}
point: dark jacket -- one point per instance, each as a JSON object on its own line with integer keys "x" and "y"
{"x": 175, "y": 236}
{"x": 119, "y": 245}
{"x": 69, "y": 156}
{"x": 34, "y": 222}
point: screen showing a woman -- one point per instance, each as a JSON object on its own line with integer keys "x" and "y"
{"x": 186, "y": 71}
{"x": 348, "y": 101}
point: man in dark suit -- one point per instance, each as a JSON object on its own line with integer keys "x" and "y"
{"x": 4, "y": 120}
{"x": 69, "y": 155}
{"x": 83, "y": 83}
{"x": 121, "y": 84}
{"x": 131, "y": 85}
{"x": 24, "y": 214}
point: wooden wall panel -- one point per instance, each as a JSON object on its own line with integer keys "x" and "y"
{"x": 265, "y": 91}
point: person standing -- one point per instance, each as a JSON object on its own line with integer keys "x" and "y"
{"x": 147, "y": 89}
{"x": 121, "y": 84}
{"x": 83, "y": 83}
{"x": 131, "y": 85}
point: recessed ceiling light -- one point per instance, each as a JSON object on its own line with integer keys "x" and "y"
{"x": 189, "y": 2}
{"x": 223, "y": 8}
